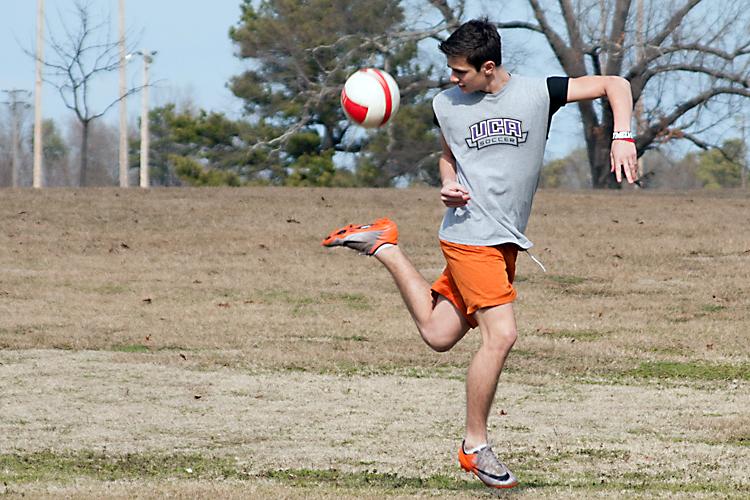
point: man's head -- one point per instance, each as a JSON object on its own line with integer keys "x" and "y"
{"x": 474, "y": 50}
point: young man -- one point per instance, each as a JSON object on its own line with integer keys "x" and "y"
{"x": 494, "y": 128}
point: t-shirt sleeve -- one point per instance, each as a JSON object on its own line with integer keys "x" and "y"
{"x": 557, "y": 87}
{"x": 435, "y": 120}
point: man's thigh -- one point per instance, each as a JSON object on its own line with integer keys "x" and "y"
{"x": 447, "y": 325}
{"x": 497, "y": 324}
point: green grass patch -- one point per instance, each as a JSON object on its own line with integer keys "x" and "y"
{"x": 579, "y": 335}
{"x": 355, "y": 301}
{"x": 302, "y": 303}
{"x": 691, "y": 371}
{"x": 705, "y": 310}
{"x": 143, "y": 348}
{"x": 353, "y": 369}
{"x": 670, "y": 481}
{"x": 740, "y": 441}
{"x": 587, "y": 481}
{"x": 668, "y": 350}
{"x": 737, "y": 440}
{"x": 131, "y": 348}
{"x": 65, "y": 466}
{"x": 351, "y": 338}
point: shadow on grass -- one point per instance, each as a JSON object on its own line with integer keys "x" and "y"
{"x": 368, "y": 479}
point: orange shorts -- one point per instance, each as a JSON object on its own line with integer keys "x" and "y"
{"x": 476, "y": 277}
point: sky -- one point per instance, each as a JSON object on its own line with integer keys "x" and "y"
{"x": 196, "y": 58}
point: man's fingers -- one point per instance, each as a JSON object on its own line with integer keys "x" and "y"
{"x": 450, "y": 197}
{"x": 628, "y": 171}
{"x": 457, "y": 193}
{"x": 454, "y": 204}
{"x": 453, "y": 201}
{"x": 623, "y": 156}
{"x": 454, "y": 195}
{"x": 630, "y": 166}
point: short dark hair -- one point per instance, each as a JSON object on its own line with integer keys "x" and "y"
{"x": 476, "y": 40}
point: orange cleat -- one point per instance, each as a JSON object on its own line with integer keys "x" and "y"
{"x": 485, "y": 465}
{"x": 367, "y": 238}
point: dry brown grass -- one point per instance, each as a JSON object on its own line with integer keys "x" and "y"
{"x": 633, "y": 348}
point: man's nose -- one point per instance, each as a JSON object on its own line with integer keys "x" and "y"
{"x": 454, "y": 79}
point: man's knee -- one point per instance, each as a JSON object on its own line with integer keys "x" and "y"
{"x": 501, "y": 339}
{"x": 498, "y": 328}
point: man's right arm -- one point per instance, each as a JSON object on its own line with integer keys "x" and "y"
{"x": 452, "y": 193}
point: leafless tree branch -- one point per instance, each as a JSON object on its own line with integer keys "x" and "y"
{"x": 77, "y": 59}
{"x": 519, "y": 25}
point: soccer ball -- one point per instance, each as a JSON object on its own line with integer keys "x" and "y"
{"x": 370, "y": 97}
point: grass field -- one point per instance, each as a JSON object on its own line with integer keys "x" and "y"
{"x": 194, "y": 343}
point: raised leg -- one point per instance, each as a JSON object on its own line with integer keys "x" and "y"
{"x": 441, "y": 326}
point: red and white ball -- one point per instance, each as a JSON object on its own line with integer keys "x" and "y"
{"x": 370, "y": 97}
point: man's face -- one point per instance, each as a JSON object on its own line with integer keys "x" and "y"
{"x": 466, "y": 76}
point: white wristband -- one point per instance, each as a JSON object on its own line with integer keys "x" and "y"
{"x": 624, "y": 134}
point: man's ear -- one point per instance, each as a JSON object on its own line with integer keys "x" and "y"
{"x": 488, "y": 67}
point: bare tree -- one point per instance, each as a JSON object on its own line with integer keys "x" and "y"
{"x": 688, "y": 64}
{"x": 78, "y": 58}
{"x": 103, "y": 152}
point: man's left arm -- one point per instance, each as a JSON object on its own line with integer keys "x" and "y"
{"x": 617, "y": 90}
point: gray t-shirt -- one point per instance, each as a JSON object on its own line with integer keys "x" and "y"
{"x": 498, "y": 141}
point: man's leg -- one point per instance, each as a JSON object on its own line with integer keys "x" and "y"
{"x": 440, "y": 326}
{"x": 498, "y": 327}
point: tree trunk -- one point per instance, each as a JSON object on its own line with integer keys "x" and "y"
{"x": 84, "y": 153}
{"x": 598, "y": 145}
{"x": 601, "y": 177}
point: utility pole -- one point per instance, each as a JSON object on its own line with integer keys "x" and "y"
{"x": 148, "y": 58}
{"x": 38, "y": 145}
{"x": 123, "y": 103}
{"x": 16, "y": 104}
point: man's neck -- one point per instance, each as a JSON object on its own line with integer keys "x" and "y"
{"x": 500, "y": 79}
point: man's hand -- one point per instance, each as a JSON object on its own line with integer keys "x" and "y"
{"x": 623, "y": 158}
{"x": 454, "y": 194}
